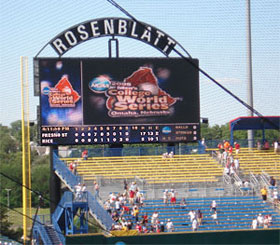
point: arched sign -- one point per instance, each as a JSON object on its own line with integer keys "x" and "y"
{"x": 112, "y": 27}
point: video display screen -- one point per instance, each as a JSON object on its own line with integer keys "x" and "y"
{"x": 118, "y": 100}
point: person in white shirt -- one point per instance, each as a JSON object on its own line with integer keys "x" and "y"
{"x": 215, "y": 217}
{"x": 169, "y": 226}
{"x": 171, "y": 154}
{"x": 260, "y": 220}
{"x": 236, "y": 163}
{"x": 112, "y": 197}
{"x": 192, "y": 215}
{"x": 194, "y": 225}
{"x": 231, "y": 170}
{"x": 78, "y": 189}
{"x": 275, "y": 197}
{"x": 213, "y": 206}
{"x": 254, "y": 224}
{"x": 154, "y": 218}
{"x": 84, "y": 192}
{"x": 117, "y": 205}
{"x": 165, "y": 196}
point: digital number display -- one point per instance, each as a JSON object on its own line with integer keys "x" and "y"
{"x": 120, "y": 100}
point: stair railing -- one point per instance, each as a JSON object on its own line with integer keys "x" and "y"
{"x": 40, "y": 228}
{"x": 99, "y": 212}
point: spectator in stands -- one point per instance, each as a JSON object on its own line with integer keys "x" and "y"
{"x": 236, "y": 163}
{"x": 165, "y": 196}
{"x": 192, "y": 215}
{"x": 226, "y": 170}
{"x": 125, "y": 209}
{"x": 220, "y": 147}
{"x": 230, "y": 150}
{"x": 145, "y": 229}
{"x": 162, "y": 227}
{"x": 226, "y": 145}
{"x": 259, "y": 145}
{"x": 169, "y": 226}
{"x": 71, "y": 166}
{"x": 125, "y": 185}
{"x": 237, "y": 148}
{"x": 115, "y": 216}
{"x": 132, "y": 192}
{"x": 194, "y": 225}
{"x": 107, "y": 206}
{"x": 157, "y": 227}
{"x": 215, "y": 217}
{"x": 78, "y": 191}
{"x": 264, "y": 194}
{"x": 272, "y": 181}
{"x": 171, "y": 154}
{"x": 145, "y": 219}
{"x": 137, "y": 197}
{"x": 225, "y": 158}
{"x": 173, "y": 197}
{"x": 85, "y": 155}
{"x": 138, "y": 227}
{"x": 75, "y": 165}
{"x": 203, "y": 143}
{"x": 220, "y": 151}
{"x": 265, "y": 222}
{"x": 254, "y": 224}
{"x": 266, "y": 145}
{"x": 231, "y": 170}
{"x": 260, "y": 220}
{"x": 275, "y": 146}
{"x": 154, "y": 218}
{"x": 270, "y": 219}
{"x": 96, "y": 189}
{"x": 199, "y": 216}
{"x": 213, "y": 206}
{"x": 183, "y": 203}
{"x": 165, "y": 155}
{"x": 84, "y": 192}
{"x": 275, "y": 197}
{"x": 112, "y": 197}
{"x": 117, "y": 204}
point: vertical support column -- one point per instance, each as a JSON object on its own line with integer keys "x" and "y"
{"x": 26, "y": 159}
{"x": 55, "y": 192}
{"x": 110, "y": 47}
{"x": 250, "y": 77}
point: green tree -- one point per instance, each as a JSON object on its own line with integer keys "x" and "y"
{"x": 6, "y": 226}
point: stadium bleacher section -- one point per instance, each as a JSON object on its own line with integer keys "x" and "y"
{"x": 153, "y": 169}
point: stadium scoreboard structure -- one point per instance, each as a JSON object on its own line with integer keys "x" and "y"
{"x": 87, "y": 101}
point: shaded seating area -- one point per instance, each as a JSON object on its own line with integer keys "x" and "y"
{"x": 152, "y": 169}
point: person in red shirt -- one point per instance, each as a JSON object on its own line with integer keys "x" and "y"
{"x": 71, "y": 168}
{"x": 85, "y": 154}
{"x": 237, "y": 148}
{"x": 230, "y": 149}
{"x": 138, "y": 227}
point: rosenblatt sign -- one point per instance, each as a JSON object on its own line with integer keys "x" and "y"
{"x": 112, "y": 27}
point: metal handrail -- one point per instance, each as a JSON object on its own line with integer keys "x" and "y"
{"x": 40, "y": 227}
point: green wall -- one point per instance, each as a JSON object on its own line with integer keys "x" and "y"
{"x": 269, "y": 236}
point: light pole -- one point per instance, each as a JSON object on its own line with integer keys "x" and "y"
{"x": 8, "y": 201}
{"x": 249, "y": 71}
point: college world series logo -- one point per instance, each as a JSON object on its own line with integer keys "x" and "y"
{"x": 137, "y": 96}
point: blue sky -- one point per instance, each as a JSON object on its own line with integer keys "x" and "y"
{"x": 212, "y": 31}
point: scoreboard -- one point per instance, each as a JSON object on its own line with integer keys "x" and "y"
{"x": 86, "y": 101}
